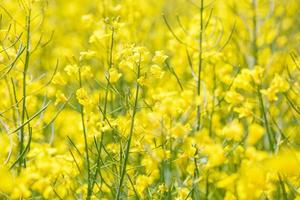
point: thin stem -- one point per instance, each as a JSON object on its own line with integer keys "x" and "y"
{"x": 195, "y": 191}
{"x": 213, "y": 101}
{"x": 254, "y": 33}
{"x": 12, "y": 101}
{"x": 104, "y": 114}
{"x": 175, "y": 75}
{"x": 255, "y": 57}
{"x": 200, "y": 64}
{"x": 123, "y": 168}
{"x": 207, "y": 185}
{"x": 266, "y": 122}
{"x": 26, "y": 65}
{"x": 88, "y": 197}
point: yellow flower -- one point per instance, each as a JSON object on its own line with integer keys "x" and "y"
{"x": 278, "y": 85}
{"x": 87, "y": 19}
{"x": 229, "y": 196}
{"x": 215, "y": 154}
{"x": 227, "y": 182}
{"x": 271, "y": 93}
{"x": 256, "y": 131}
{"x": 58, "y": 79}
{"x": 98, "y": 36}
{"x": 286, "y": 162}
{"x": 21, "y": 192}
{"x": 71, "y": 70}
{"x": 245, "y": 110}
{"x": 159, "y": 57}
{"x": 114, "y": 75}
{"x": 190, "y": 168}
{"x": 156, "y": 71}
{"x": 6, "y": 183}
{"x": 233, "y": 97}
{"x": 243, "y": 80}
{"x": 257, "y": 73}
{"x": 162, "y": 188}
{"x": 87, "y": 55}
{"x": 233, "y": 131}
{"x": 281, "y": 41}
{"x": 252, "y": 182}
{"x": 86, "y": 72}
{"x": 82, "y": 96}
{"x": 126, "y": 64}
{"x": 180, "y": 130}
{"x": 183, "y": 194}
{"x": 149, "y": 163}
{"x": 142, "y": 182}
{"x": 143, "y": 81}
{"x": 60, "y": 97}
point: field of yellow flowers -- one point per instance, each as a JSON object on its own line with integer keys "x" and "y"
{"x": 150, "y": 99}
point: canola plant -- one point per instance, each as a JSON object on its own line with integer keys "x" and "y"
{"x": 144, "y": 99}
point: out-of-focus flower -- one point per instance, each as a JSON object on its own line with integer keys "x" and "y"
{"x": 255, "y": 132}
{"x": 278, "y": 85}
{"x": 86, "y": 72}
{"x": 71, "y": 70}
{"x": 257, "y": 74}
{"x": 86, "y": 55}
{"x": 114, "y": 75}
{"x": 98, "y": 36}
{"x": 60, "y": 98}
{"x": 82, "y": 96}
{"x": 156, "y": 71}
{"x": 59, "y": 79}
{"x": 159, "y": 57}
{"x": 233, "y": 130}
{"x": 215, "y": 154}
{"x": 7, "y": 180}
{"x": 234, "y": 97}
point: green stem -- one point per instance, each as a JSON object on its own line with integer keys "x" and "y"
{"x": 213, "y": 101}
{"x": 104, "y": 116}
{"x": 88, "y": 197}
{"x": 123, "y": 168}
{"x": 26, "y": 65}
{"x": 266, "y": 122}
{"x": 254, "y": 33}
{"x": 200, "y": 64}
{"x": 255, "y": 57}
